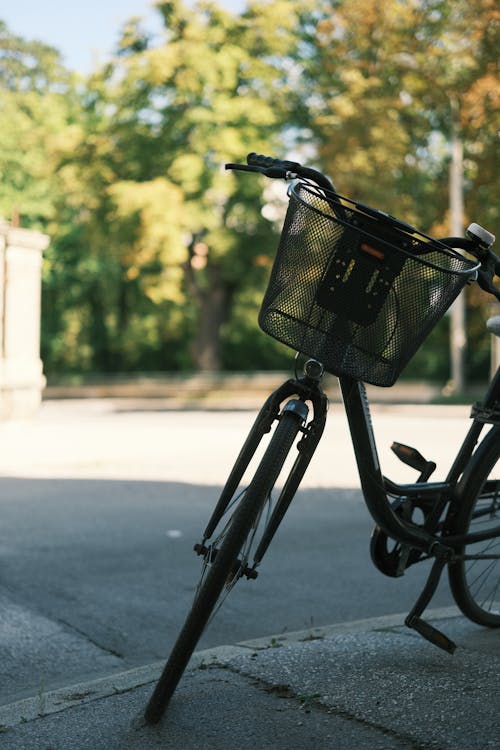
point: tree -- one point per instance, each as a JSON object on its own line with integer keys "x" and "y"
{"x": 158, "y": 257}
{"x": 395, "y": 89}
{"x": 40, "y": 109}
{"x": 36, "y": 101}
{"x": 159, "y": 123}
{"x": 454, "y": 81}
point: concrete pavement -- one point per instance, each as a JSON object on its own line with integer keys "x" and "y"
{"x": 363, "y": 685}
{"x": 148, "y": 439}
{"x": 368, "y": 684}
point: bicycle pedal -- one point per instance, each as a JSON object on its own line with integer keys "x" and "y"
{"x": 411, "y": 457}
{"x": 431, "y": 634}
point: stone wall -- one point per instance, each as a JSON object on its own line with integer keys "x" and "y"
{"x": 21, "y": 372}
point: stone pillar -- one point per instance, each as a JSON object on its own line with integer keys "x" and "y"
{"x": 21, "y": 372}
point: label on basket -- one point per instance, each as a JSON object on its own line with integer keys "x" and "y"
{"x": 359, "y": 277}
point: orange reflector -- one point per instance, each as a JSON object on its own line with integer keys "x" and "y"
{"x": 369, "y": 250}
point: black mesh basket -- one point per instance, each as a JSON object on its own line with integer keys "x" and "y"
{"x": 355, "y": 288}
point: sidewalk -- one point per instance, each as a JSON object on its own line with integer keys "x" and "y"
{"x": 222, "y": 390}
{"x": 149, "y": 439}
{"x": 367, "y": 685}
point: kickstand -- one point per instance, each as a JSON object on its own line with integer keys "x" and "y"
{"x": 414, "y": 621}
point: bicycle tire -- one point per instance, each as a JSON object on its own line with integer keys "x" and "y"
{"x": 475, "y": 584}
{"x": 222, "y": 568}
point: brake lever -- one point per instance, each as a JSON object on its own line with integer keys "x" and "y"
{"x": 485, "y": 281}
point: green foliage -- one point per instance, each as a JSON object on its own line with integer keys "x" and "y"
{"x": 244, "y": 346}
{"x": 432, "y": 361}
{"x": 36, "y": 106}
{"x": 386, "y": 83}
{"x": 159, "y": 258}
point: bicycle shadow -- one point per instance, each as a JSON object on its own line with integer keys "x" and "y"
{"x": 96, "y": 576}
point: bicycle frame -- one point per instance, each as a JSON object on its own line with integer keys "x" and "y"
{"x": 376, "y": 488}
{"x": 253, "y": 516}
{"x": 417, "y": 541}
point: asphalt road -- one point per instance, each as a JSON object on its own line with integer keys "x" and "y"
{"x": 100, "y": 503}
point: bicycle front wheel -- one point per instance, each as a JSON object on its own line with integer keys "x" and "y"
{"x": 475, "y": 582}
{"x": 226, "y": 564}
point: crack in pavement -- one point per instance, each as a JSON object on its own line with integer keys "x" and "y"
{"x": 100, "y": 646}
{"x": 309, "y": 702}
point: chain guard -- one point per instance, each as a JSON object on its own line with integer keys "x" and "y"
{"x": 389, "y": 556}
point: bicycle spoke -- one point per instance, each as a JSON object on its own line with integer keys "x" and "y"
{"x": 482, "y": 579}
{"x": 475, "y": 580}
{"x": 251, "y": 543}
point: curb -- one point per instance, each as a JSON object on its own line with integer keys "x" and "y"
{"x": 79, "y": 694}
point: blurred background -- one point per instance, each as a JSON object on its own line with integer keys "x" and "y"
{"x": 116, "y": 124}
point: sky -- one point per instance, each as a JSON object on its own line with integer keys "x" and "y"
{"x": 85, "y": 32}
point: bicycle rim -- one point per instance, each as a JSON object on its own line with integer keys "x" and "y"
{"x": 220, "y": 571}
{"x": 475, "y": 583}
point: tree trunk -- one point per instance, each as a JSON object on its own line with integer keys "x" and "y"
{"x": 102, "y": 359}
{"x": 458, "y": 337}
{"x": 214, "y": 303}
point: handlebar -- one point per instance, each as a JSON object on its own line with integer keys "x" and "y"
{"x": 479, "y": 245}
{"x": 478, "y": 241}
{"x": 282, "y": 169}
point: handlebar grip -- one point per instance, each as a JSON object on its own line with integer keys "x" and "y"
{"x": 259, "y": 160}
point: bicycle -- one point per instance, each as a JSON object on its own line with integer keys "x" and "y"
{"x": 357, "y": 291}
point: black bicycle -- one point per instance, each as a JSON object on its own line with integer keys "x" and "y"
{"x": 357, "y": 291}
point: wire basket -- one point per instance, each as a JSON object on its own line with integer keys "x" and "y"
{"x": 355, "y": 288}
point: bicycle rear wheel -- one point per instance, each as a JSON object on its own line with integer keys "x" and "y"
{"x": 224, "y": 565}
{"x": 475, "y": 583}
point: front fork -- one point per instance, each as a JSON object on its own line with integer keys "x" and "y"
{"x": 308, "y": 390}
